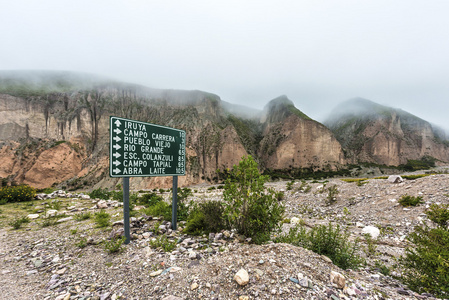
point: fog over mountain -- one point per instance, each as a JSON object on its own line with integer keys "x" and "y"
{"x": 317, "y": 53}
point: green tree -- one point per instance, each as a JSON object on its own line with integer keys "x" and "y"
{"x": 426, "y": 264}
{"x": 250, "y": 208}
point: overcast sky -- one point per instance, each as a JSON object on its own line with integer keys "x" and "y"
{"x": 318, "y": 53}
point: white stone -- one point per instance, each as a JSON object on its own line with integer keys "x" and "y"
{"x": 155, "y": 273}
{"x": 295, "y": 220}
{"x": 65, "y": 219}
{"x": 242, "y": 277}
{"x": 85, "y": 197}
{"x": 349, "y": 291}
{"x": 359, "y": 225}
{"x": 61, "y": 271}
{"x": 51, "y": 212}
{"x": 338, "y": 280}
{"x": 192, "y": 254}
{"x": 102, "y": 204}
{"x": 395, "y": 179}
{"x": 33, "y": 216}
{"x": 371, "y": 230}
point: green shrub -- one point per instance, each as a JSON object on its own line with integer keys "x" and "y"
{"x": 439, "y": 214}
{"x": 17, "y": 223}
{"x": 164, "y": 243}
{"x": 383, "y": 269}
{"x": 290, "y": 185}
{"x": 100, "y": 194}
{"x": 49, "y": 221}
{"x": 326, "y": 240}
{"x": 114, "y": 245}
{"x": 205, "y": 217}
{"x": 196, "y": 223}
{"x": 55, "y": 204}
{"x": 371, "y": 246}
{"x": 332, "y": 193}
{"x": 407, "y": 200}
{"x": 102, "y": 219}
{"x": 82, "y": 216}
{"x": 160, "y": 209}
{"x": 426, "y": 264}
{"x": 304, "y": 187}
{"x": 250, "y": 208}
{"x": 280, "y": 195}
{"x": 149, "y": 199}
{"x": 82, "y": 243}
{"x": 19, "y": 193}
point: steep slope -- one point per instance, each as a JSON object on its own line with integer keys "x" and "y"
{"x": 292, "y": 140}
{"x": 370, "y": 132}
{"x": 54, "y": 131}
{"x": 41, "y": 111}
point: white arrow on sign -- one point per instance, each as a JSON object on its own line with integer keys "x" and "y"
{"x": 116, "y": 147}
{"x": 118, "y": 123}
{"x": 116, "y": 171}
{"x": 116, "y": 163}
{"x": 117, "y": 131}
{"x": 116, "y": 155}
{"x": 116, "y": 139}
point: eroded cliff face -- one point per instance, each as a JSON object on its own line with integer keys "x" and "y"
{"x": 62, "y": 139}
{"x": 293, "y": 140}
{"x": 378, "y": 134}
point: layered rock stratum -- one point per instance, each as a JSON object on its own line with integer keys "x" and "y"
{"x": 54, "y": 130}
{"x": 370, "y": 132}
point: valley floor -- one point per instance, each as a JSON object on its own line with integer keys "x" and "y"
{"x": 51, "y": 262}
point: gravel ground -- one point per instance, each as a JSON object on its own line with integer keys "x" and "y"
{"x": 48, "y": 263}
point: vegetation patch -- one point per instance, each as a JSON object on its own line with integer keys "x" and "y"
{"x": 426, "y": 263}
{"x": 114, "y": 245}
{"x": 330, "y": 241}
{"x": 250, "y": 208}
{"x": 413, "y": 177}
{"x": 205, "y": 217}
{"x": 18, "y": 222}
{"x": 20, "y": 193}
{"x": 102, "y": 219}
{"x": 163, "y": 242}
{"x": 407, "y": 200}
{"x": 100, "y": 193}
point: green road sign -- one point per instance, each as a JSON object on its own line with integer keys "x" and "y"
{"x": 143, "y": 149}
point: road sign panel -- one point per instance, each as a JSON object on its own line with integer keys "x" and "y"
{"x": 145, "y": 149}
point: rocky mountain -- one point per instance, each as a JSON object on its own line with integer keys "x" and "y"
{"x": 54, "y": 130}
{"x": 370, "y": 132}
{"x": 292, "y": 140}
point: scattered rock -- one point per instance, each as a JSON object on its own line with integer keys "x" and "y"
{"x": 156, "y": 273}
{"x": 372, "y": 231}
{"x": 338, "y": 280}
{"x": 242, "y": 277}
{"x": 395, "y": 179}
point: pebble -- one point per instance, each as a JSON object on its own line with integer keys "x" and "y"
{"x": 156, "y": 273}
{"x": 242, "y": 277}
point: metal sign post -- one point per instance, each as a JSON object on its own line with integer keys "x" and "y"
{"x": 139, "y": 149}
{"x": 126, "y": 209}
{"x": 174, "y": 208}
